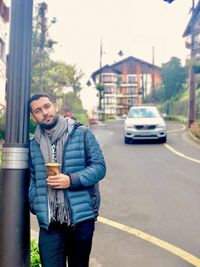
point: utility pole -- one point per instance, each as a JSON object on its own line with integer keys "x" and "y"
{"x": 153, "y": 77}
{"x": 101, "y": 87}
{"x": 100, "y": 77}
{"x": 192, "y": 108}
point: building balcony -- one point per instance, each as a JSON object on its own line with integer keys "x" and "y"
{"x": 196, "y": 45}
{"x": 106, "y": 81}
{"x": 128, "y": 95}
{"x": 108, "y": 93}
{"x": 188, "y": 42}
{"x": 135, "y": 84}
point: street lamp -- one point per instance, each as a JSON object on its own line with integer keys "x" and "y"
{"x": 14, "y": 175}
{"x": 169, "y": 1}
{"x": 100, "y": 87}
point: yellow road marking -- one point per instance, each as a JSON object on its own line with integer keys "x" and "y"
{"x": 154, "y": 240}
{"x": 181, "y": 154}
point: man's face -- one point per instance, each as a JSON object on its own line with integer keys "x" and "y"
{"x": 44, "y": 111}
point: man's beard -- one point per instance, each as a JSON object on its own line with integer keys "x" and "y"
{"x": 50, "y": 125}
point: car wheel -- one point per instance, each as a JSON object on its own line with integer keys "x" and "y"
{"x": 127, "y": 140}
{"x": 163, "y": 139}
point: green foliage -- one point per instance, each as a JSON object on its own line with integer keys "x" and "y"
{"x": 110, "y": 117}
{"x": 196, "y": 69}
{"x": 51, "y": 76}
{"x": 47, "y": 75}
{"x": 195, "y": 129}
{"x": 42, "y": 45}
{"x": 83, "y": 118}
{"x": 2, "y": 127}
{"x": 99, "y": 86}
{"x": 35, "y": 257}
{"x": 73, "y": 103}
{"x": 173, "y": 77}
{"x": 32, "y": 127}
{"x": 182, "y": 119}
{"x": 158, "y": 96}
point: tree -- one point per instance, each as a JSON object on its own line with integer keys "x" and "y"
{"x": 73, "y": 103}
{"x": 173, "y": 77}
{"x": 52, "y": 76}
{"x": 42, "y": 45}
{"x": 48, "y": 75}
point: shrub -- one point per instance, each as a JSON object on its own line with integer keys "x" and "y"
{"x": 32, "y": 126}
{"x": 83, "y": 118}
{"x": 2, "y": 127}
{"x": 110, "y": 117}
{"x": 35, "y": 257}
{"x": 195, "y": 129}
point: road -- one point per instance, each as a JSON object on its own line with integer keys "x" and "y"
{"x": 150, "y": 209}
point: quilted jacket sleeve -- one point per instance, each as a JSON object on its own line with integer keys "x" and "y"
{"x": 96, "y": 167}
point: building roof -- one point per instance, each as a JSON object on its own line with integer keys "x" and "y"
{"x": 192, "y": 20}
{"x": 107, "y": 69}
{"x": 129, "y": 63}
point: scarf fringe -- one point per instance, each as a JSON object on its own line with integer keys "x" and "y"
{"x": 59, "y": 213}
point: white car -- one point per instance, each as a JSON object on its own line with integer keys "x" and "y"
{"x": 144, "y": 122}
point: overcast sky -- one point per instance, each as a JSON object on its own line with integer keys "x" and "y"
{"x": 133, "y": 26}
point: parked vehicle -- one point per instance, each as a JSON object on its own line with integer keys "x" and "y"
{"x": 144, "y": 122}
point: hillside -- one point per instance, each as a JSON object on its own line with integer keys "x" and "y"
{"x": 178, "y": 105}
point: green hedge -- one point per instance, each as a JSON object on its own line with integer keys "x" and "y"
{"x": 175, "y": 108}
{"x": 35, "y": 257}
{"x": 2, "y": 127}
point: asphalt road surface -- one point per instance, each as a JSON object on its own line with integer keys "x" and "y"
{"x": 150, "y": 209}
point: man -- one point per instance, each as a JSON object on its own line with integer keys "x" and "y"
{"x": 66, "y": 204}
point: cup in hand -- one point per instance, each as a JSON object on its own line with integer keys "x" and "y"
{"x": 52, "y": 168}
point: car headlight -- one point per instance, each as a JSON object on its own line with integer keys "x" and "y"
{"x": 129, "y": 126}
{"x": 161, "y": 126}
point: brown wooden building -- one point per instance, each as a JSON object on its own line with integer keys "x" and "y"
{"x": 126, "y": 83}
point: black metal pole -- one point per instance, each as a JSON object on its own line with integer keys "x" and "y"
{"x": 192, "y": 104}
{"x": 14, "y": 175}
{"x": 153, "y": 76}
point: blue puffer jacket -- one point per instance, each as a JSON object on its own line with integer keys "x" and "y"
{"x": 83, "y": 161}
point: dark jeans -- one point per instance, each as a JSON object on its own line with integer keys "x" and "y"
{"x": 62, "y": 243}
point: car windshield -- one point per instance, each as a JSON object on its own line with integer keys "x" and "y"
{"x": 143, "y": 113}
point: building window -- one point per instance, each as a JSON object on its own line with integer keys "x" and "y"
{"x": 131, "y": 90}
{"x": 110, "y": 100}
{"x": 109, "y": 79}
{"x": 108, "y": 89}
{"x": 4, "y": 11}
{"x": 123, "y": 101}
{"x": 131, "y": 78}
{"x": 110, "y": 111}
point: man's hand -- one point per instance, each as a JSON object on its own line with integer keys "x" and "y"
{"x": 59, "y": 181}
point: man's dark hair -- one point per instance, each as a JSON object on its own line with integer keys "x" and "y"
{"x": 38, "y": 96}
